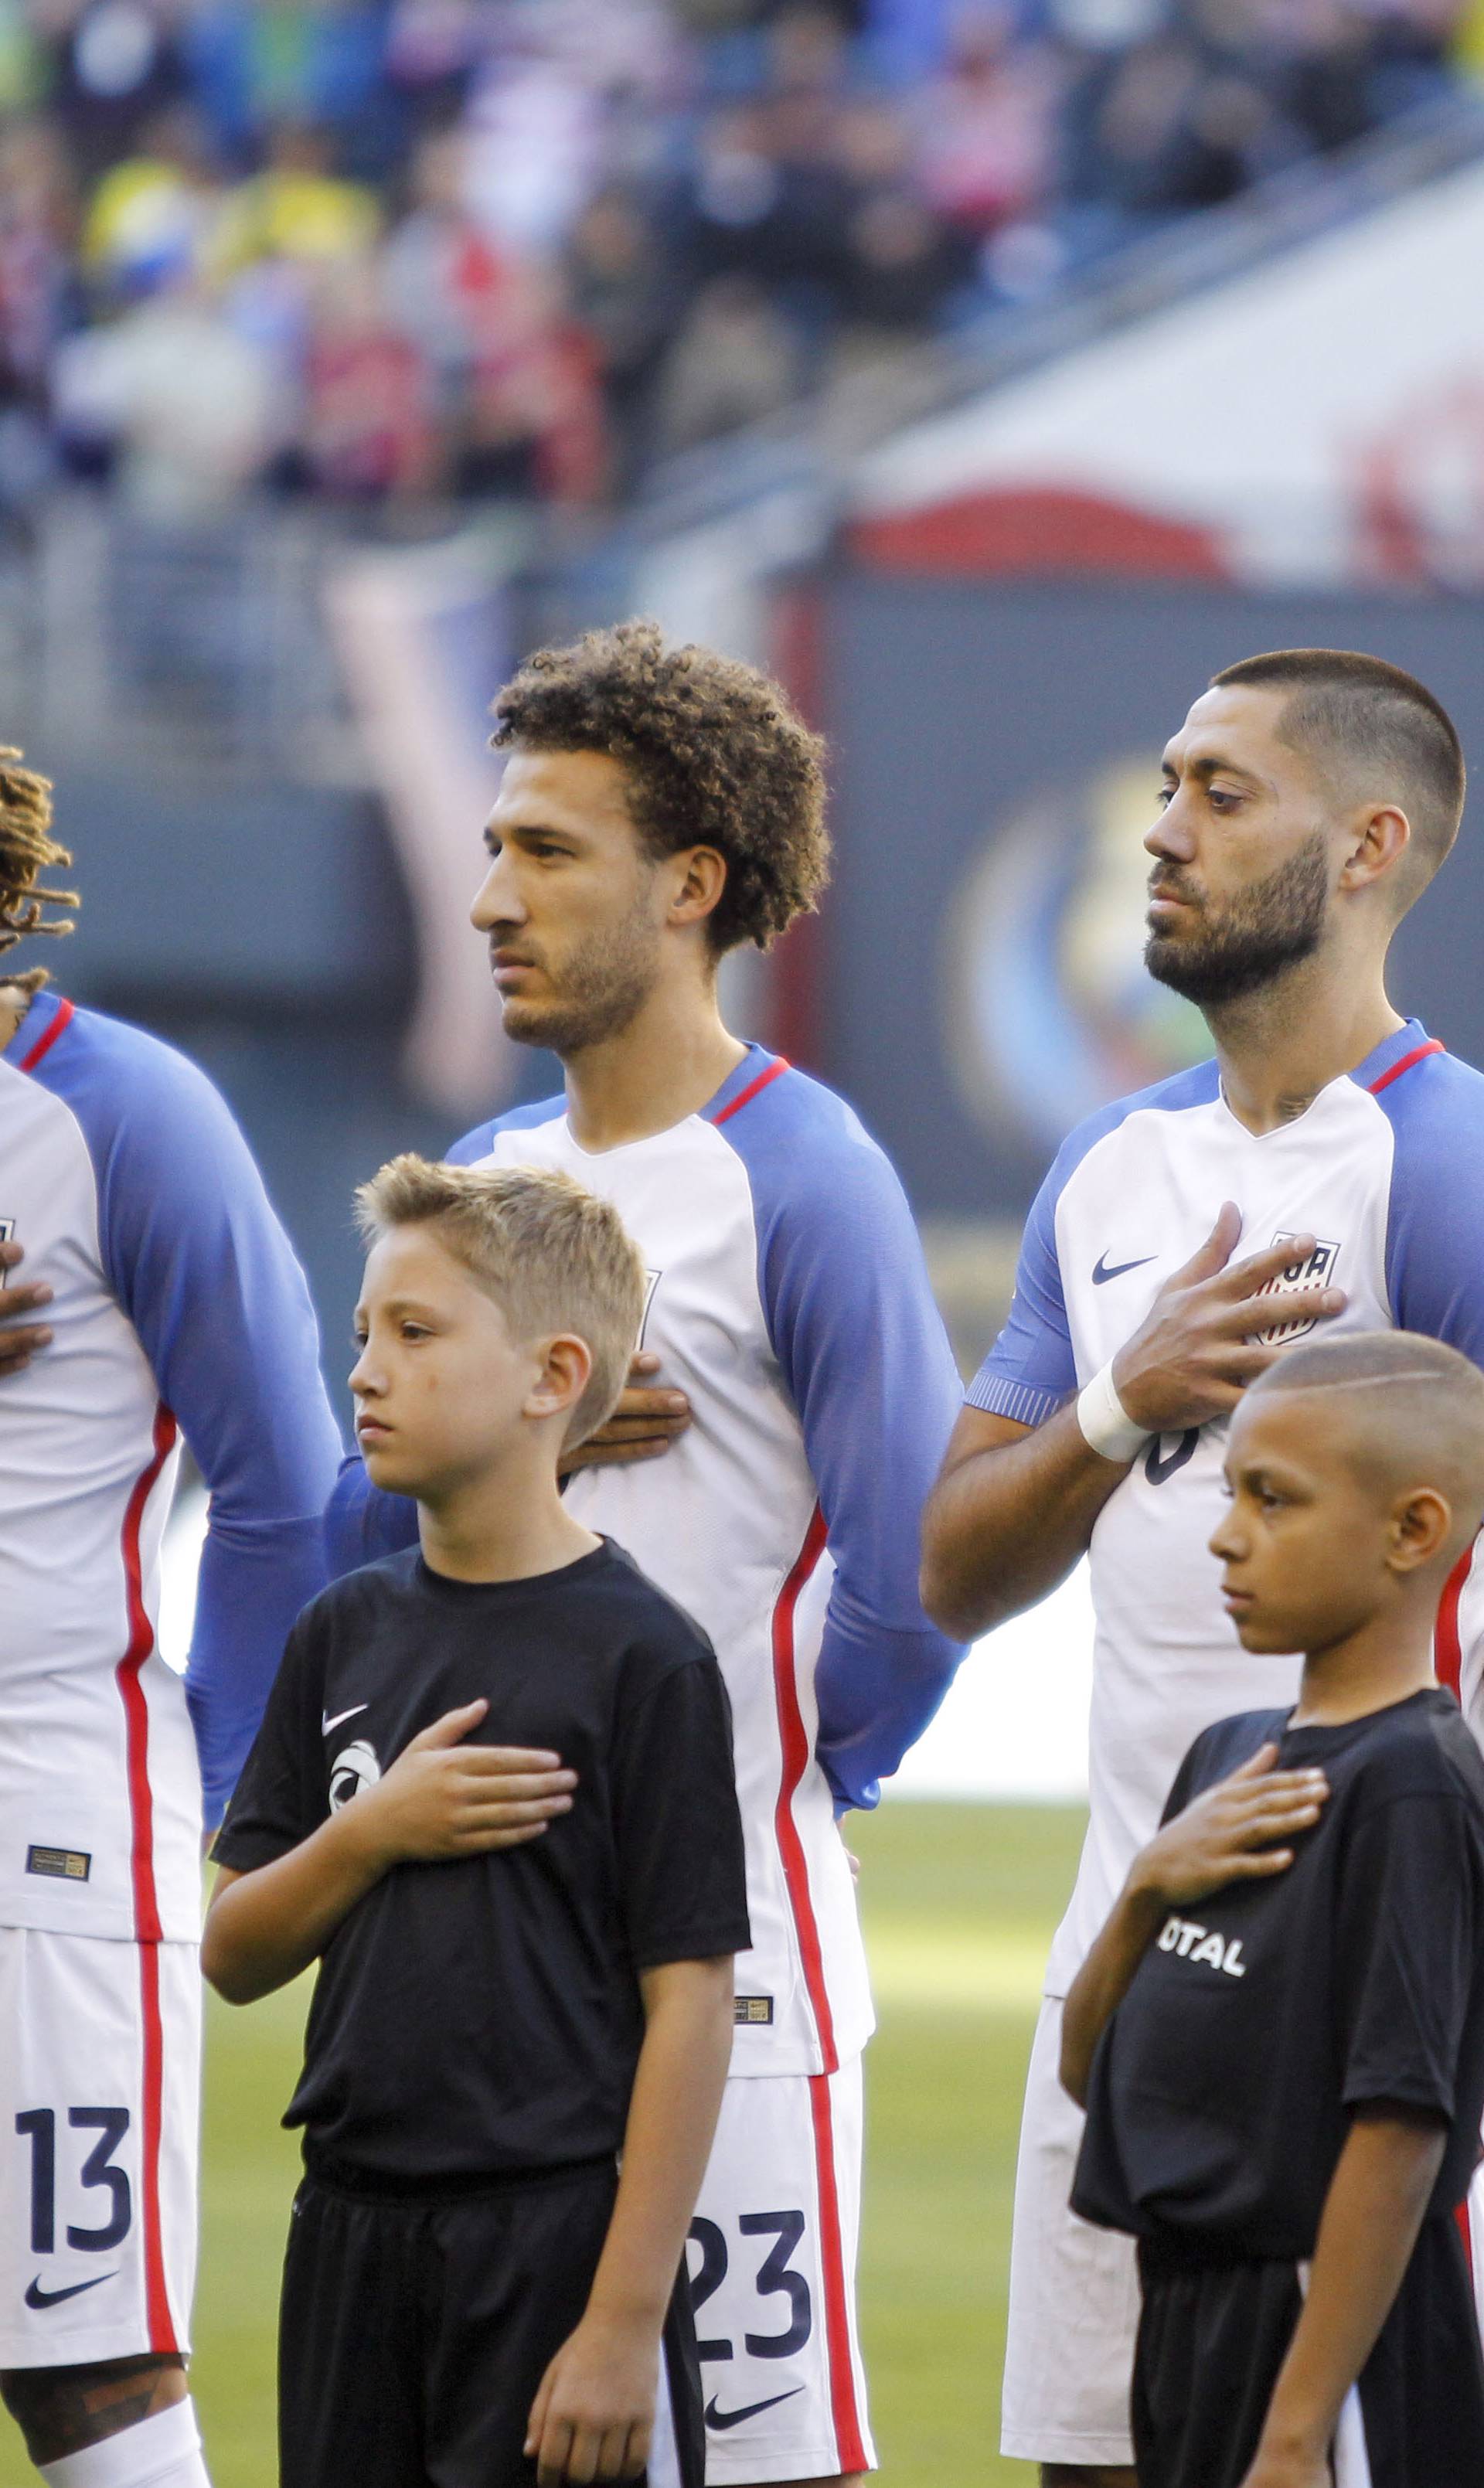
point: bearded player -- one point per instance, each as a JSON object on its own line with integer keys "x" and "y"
{"x": 657, "y": 808}
{"x": 157, "y": 1299}
{"x": 1326, "y": 1167}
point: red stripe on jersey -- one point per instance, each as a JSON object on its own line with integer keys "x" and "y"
{"x": 48, "y": 1039}
{"x": 796, "y": 1745}
{"x": 147, "y": 1926}
{"x": 1466, "y": 2232}
{"x": 764, "y": 1080}
{"x": 849, "y": 2445}
{"x": 156, "y": 2296}
{"x": 1418, "y": 1053}
{"x": 136, "y": 1715}
{"x": 1447, "y": 1644}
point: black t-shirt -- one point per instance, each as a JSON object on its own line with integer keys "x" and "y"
{"x": 482, "y": 2017}
{"x": 1222, "y": 2086}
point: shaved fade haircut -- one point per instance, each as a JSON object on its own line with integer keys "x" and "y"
{"x": 1378, "y": 732}
{"x": 1412, "y": 1412}
{"x": 551, "y": 1253}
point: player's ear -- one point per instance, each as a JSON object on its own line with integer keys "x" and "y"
{"x": 566, "y": 1369}
{"x": 1382, "y": 837}
{"x": 1420, "y": 1527}
{"x": 700, "y": 879}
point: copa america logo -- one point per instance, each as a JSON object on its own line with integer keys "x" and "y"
{"x": 1052, "y": 1010}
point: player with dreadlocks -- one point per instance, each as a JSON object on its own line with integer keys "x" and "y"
{"x": 173, "y": 1308}
{"x": 27, "y": 849}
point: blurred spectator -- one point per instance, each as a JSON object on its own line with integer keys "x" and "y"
{"x": 365, "y": 432}
{"x": 510, "y": 379}
{"x": 298, "y": 207}
{"x": 40, "y": 293}
{"x": 170, "y": 400}
{"x": 155, "y": 211}
{"x": 1154, "y": 131}
{"x": 254, "y": 64}
{"x": 109, "y": 68}
{"x": 385, "y": 249}
{"x": 734, "y": 363}
{"x": 987, "y": 123}
{"x": 624, "y": 303}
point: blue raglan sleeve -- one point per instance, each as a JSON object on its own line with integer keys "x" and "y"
{"x": 204, "y": 1271}
{"x": 1435, "y": 1228}
{"x": 1435, "y": 1284}
{"x": 864, "y": 1352}
{"x": 363, "y": 1521}
{"x": 1031, "y": 1369}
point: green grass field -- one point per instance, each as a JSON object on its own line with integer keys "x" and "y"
{"x": 960, "y": 1903}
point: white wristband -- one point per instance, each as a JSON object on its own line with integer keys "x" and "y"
{"x": 1105, "y": 1423}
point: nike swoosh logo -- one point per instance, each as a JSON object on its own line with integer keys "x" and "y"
{"x": 40, "y": 2297}
{"x": 357, "y": 1708}
{"x": 733, "y": 2419}
{"x": 1102, "y": 1274}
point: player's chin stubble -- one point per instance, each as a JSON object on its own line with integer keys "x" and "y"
{"x": 601, "y": 988}
{"x": 1269, "y": 928}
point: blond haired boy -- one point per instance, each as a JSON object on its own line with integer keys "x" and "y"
{"x": 512, "y": 1989}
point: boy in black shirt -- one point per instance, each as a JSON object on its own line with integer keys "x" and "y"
{"x": 515, "y": 1983}
{"x": 1280, "y": 2033}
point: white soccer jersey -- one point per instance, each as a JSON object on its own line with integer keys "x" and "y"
{"x": 789, "y": 1300}
{"x": 1386, "y": 1169}
{"x": 178, "y": 1309}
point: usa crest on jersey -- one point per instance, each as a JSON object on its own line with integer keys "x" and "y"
{"x": 7, "y": 1231}
{"x": 1315, "y": 1269}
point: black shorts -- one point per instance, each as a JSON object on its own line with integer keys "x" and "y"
{"x": 416, "y": 2330}
{"x": 1213, "y": 2336}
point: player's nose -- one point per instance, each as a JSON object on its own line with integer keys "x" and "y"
{"x": 498, "y": 899}
{"x": 1169, "y": 836}
{"x": 1225, "y": 1541}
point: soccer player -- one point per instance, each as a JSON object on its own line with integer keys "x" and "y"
{"x": 1287, "y": 2002}
{"x": 1327, "y": 1166}
{"x": 658, "y": 806}
{"x": 171, "y": 1306}
{"x": 503, "y": 2007}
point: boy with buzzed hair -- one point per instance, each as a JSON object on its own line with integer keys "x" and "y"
{"x": 1280, "y": 2033}
{"x": 512, "y": 1989}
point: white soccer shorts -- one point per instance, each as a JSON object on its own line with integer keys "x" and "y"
{"x": 772, "y": 2260}
{"x": 99, "y": 2112}
{"x": 1073, "y": 2292}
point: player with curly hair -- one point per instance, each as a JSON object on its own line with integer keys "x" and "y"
{"x": 659, "y": 808}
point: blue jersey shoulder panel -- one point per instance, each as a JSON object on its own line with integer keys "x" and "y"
{"x": 1030, "y": 1370}
{"x": 1435, "y": 1267}
{"x": 200, "y": 1265}
{"x": 478, "y": 1142}
{"x": 856, "y": 1331}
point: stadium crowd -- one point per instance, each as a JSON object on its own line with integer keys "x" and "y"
{"x": 395, "y": 249}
